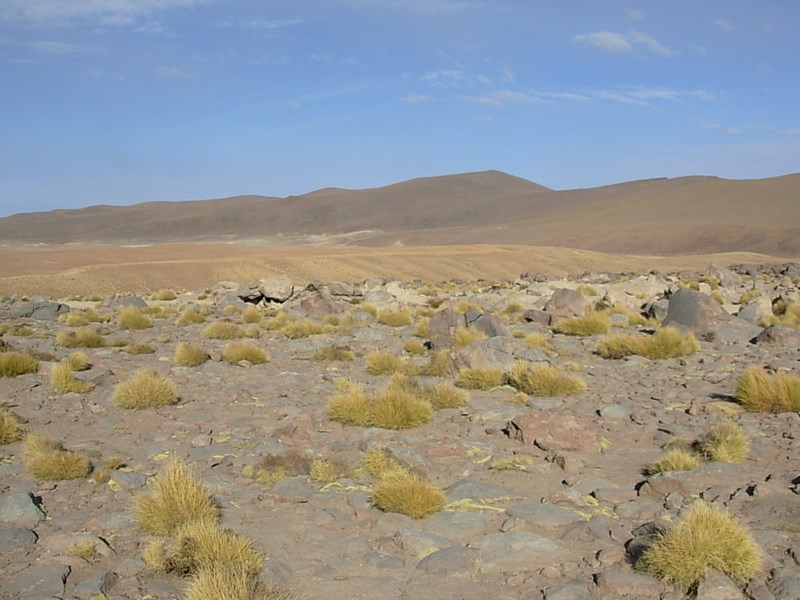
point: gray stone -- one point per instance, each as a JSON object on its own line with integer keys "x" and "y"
{"x": 726, "y": 277}
{"x": 420, "y": 543}
{"x": 658, "y": 309}
{"x": 455, "y": 561}
{"x": 491, "y": 325}
{"x": 756, "y": 309}
{"x": 338, "y": 288}
{"x": 293, "y": 490}
{"x": 566, "y": 303}
{"x": 130, "y": 300}
{"x": 442, "y": 328}
{"x": 785, "y": 585}
{"x": 459, "y": 526}
{"x": 127, "y": 480}
{"x": 616, "y": 584}
{"x": 495, "y": 352}
{"x": 21, "y": 509}
{"x": 555, "y": 431}
{"x": 480, "y": 492}
{"x": 702, "y": 315}
{"x": 544, "y": 515}
{"x": 38, "y": 582}
{"x": 573, "y": 590}
{"x": 40, "y": 310}
{"x": 779, "y": 335}
{"x": 15, "y": 539}
{"x": 518, "y": 550}
{"x": 91, "y": 588}
{"x": 614, "y": 410}
{"x": 717, "y": 586}
{"x": 276, "y": 289}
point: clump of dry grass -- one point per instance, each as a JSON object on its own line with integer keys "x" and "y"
{"x": 251, "y": 314}
{"x": 408, "y": 494}
{"x": 436, "y": 366}
{"x": 758, "y": 391}
{"x": 14, "y": 363}
{"x": 397, "y": 408}
{"x": 305, "y": 328}
{"x": 466, "y": 335}
{"x": 11, "y": 429}
{"x": 349, "y": 404}
{"x": 704, "y": 538}
{"x": 234, "y": 352}
{"x": 187, "y": 355}
{"x": 422, "y": 329}
{"x": 788, "y": 315}
{"x": 140, "y": 348}
{"x": 165, "y": 295}
{"x": 667, "y": 342}
{"x": 130, "y": 317}
{"x": 676, "y": 459}
{"x": 380, "y": 362}
{"x": 211, "y": 583}
{"x": 333, "y": 353}
{"x": 178, "y": 497}
{"x": 48, "y": 460}
{"x": 190, "y": 315}
{"x": 464, "y": 306}
{"x": 512, "y": 463}
{"x": 485, "y": 378}
{"x": 77, "y": 361}
{"x": 444, "y": 395}
{"x": 145, "y": 389}
{"x": 726, "y": 442}
{"x": 274, "y": 467}
{"x": 538, "y": 341}
{"x": 63, "y": 381}
{"x": 81, "y": 338}
{"x": 327, "y": 470}
{"x": 394, "y": 318}
{"x": 414, "y": 347}
{"x": 370, "y": 308}
{"x": 592, "y": 323}
{"x": 223, "y": 330}
{"x": 381, "y": 462}
{"x": 544, "y": 380}
{"x": 80, "y": 318}
{"x": 586, "y": 290}
{"x": 86, "y": 550}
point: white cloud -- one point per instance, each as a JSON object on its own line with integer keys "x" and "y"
{"x": 644, "y": 95}
{"x": 613, "y": 41}
{"x": 417, "y": 98}
{"x": 104, "y": 12}
{"x": 502, "y": 98}
{"x": 445, "y": 77}
{"x": 609, "y": 41}
{"x": 261, "y": 23}
{"x": 49, "y": 47}
{"x": 166, "y": 71}
{"x": 635, "y": 14}
{"x": 723, "y": 24}
{"x": 426, "y": 7}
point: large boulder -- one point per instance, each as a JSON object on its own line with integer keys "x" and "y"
{"x": 493, "y": 352}
{"x": 566, "y": 303}
{"x": 442, "y": 328}
{"x": 38, "y": 309}
{"x": 555, "y": 431}
{"x": 276, "y": 289}
{"x": 702, "y": 315}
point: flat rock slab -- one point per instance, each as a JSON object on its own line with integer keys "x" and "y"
{"x": 15, "y": 539}
{"x": 544, "y": 515}
{"x": 517, "y": 550}
{"x": 555, "y": 431}
{"x": 479, "y": 492}
{"x": 21, "y": 509}
{"x": 38, "y": 582}
{"x": 460, "y": 526}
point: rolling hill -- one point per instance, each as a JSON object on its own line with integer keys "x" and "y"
{"x": 687, "y": 215}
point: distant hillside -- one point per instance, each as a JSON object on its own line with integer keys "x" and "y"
{"x": 657, "y": 216}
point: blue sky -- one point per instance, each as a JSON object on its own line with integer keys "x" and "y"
{"x": 123, "y": 101}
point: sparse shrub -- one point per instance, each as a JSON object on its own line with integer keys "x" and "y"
{"x": 592, "y": 323}
{"x": 238, "y": 351}
{"x": 436, "y": 366}
{"x": 586, "y": 290}
{"x": 187, "y": 355}
{"x": 145, "y": 389}
{"x": 380, "y": 462}
{"x": 276, "y": 322}
{"x": 164, "y": 295}
{"x": 667, "y": 342}
{"x": 676, "y": 459}
{"x": 305, "y": 328}
{"x": 394, "y": 318}
{"x": 78, "y": 361}
{"x": 81, "y": 338}
{"x": 485, "y": 378}
{"x": 422, "y": 330}
{"x": 140, "y": 348}
{"x": 464, "y": 306}
{"x": 274, "y": 467}
{"x": 466, "y": 335}
{"x": 190, "y": 315}
{"x": 395, "y": 408}
{"x": 414, "y": 347}
{"x": 444, "y": 395}
{"x": 11, "y": 429}
{"x": 86, "y": 550}
{"x": 13, "y": 364}
{"x": 513, "y": 463}
{"x": 544, "y": 380}
{"x": 408, "y": 494}
{"x": 251, "y": 314}
{"x": 63, "y": 381}
{"x": 370, "y": 308}
{"x": 19, "y": 330}
{"x": 725, "y": 442}
{"x": 704, "y": 538}
{"x": 223, "y": 330}
{"x": 510, "y": 309}
{"x": 538, "y": 341}
{"x": 48, "y": 460}
{"x": 333, "y": 353}
{"x": 380, "y": 362}
{"x": 211, "y": 583}
{"x": 328, "y": 470}
{"x": 103, "y": 474}
{"x": 788, "y": 314}
{"x": 633, "y": 318}
{"x": 130, "y": 317}
{"x": 757, "y": 391}
{"x": 178, "y": 497}
{"x": 349, "y": 405}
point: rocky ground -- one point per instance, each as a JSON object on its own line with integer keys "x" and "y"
{"x": 531, "y": 512}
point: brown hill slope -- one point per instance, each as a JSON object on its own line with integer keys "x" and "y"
{"x": 658, "y": 216}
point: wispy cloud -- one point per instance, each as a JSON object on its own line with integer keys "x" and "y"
{"x": 167, "y": 71}
{"x": 259, "y": 23}
{"x": 445, "y": 78}
{"x": 724, "y": 24}
{"x": 618, "y": 43}
{"x": 418, "y": 98}
{"x": 502, "y": 98}
{"x": 49, "y": 47}
{"x": 647, "y": 95}
{"x": 104, "y": 12}
{"x": 426, "y": 7}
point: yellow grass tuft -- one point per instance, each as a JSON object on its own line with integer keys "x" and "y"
{"x": 48, "y": 460}
{"x": 140, "y": 348}
{"x": 187, "y": 355}
{"x": 202, "y": 544}
{"x": 63, "y": 381}
{"x": 408, "y": 494}
{"x": 436, "y": 366}
{"x": 251, "y": 314}
{"x": 178, "y": 497}
{"x": 305, "y": 328}
{"x": 414, "y": 347}
{"x": 145, "y": 389}
{"x": 466, "y": 335}
{"x": 422, "y": 329}
{"x": 223, "y": 330}
{"x": 758, "y": 391}
{"x": 11, "y": 429}
{"x": 394, "y": 318}
{"x": 164, "y": 295}
{"x": 238, "y": 351}
{"x": 676, "y": 459}
{"x": 485, "y": 378}
{"x": 538, "y": 341}
{"x": 328, "y": 470}
{"x": 592, "y": 323}
{"x": 333, "y": 353}
{"x": 380, "y": 362}
{"x": 77, "y": 361}
{"x": 395, "y": 408}
{"x": 725, "y": 442}
{"x": 81, "y": 338}
{"x": 667, "y": 342}
{"x": 130, "y": 317}
{"x": 211, "y": 583}
{"x": 544, "y": 380}
{"x": 349, "y": 404}
{"x": 380, "y": 462}
{"x": 704, "y": 538}
{"x": 13, "y": 364}
{"x": 444, "y": 395}
{"x": 189, "y": 316}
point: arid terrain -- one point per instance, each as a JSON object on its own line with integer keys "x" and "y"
{"x": 547, "y": 493}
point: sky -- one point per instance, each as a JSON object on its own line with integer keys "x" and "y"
{"x": 125, "y": 101}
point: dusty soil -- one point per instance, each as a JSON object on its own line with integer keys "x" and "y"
{"x": 563, "y": 524}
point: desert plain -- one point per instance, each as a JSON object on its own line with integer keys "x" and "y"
{"x": 546, "y": 493}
